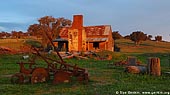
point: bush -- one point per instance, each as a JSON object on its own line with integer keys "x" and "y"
{"x": 137, "y": 37}
{"x": 33, "y": 43}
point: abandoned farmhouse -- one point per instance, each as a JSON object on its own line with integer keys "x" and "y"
{"x": 85, "y": 38}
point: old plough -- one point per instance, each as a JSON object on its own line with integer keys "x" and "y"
{"x": 57, "y": 70}
{"x": 60, "y": 71}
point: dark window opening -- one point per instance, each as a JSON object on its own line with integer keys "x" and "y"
{"x": 96, "y": 45}
{"x": 61, "y": 46}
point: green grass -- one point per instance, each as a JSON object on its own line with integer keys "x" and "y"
{"x": 103, "y": 79}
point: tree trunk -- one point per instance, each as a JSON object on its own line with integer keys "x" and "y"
{"x": 137, "y": 43}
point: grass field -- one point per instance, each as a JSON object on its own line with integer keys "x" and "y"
{"x": 12, "y": 43}
{"x": 145, "y": 47}
{"x": 104, "y": 80}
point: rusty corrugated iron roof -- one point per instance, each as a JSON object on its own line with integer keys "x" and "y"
{"x": 93, "y": 33}
{"x": 96, "y": 39}
{"x": 64, "y": 32}
{"x": 97, "y": 30}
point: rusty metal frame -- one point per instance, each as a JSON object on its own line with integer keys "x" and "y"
{"x": 61, "y": 74}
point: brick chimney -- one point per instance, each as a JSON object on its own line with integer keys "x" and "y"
{"x": 76, "y": 36}
{"x": 77, "y": 22}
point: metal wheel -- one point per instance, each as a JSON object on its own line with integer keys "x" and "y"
{"x": 61, "y": 77}
{"x": 39, "y": 75}
{"x": 17, "y": 78}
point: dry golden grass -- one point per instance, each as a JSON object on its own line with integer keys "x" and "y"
{"x": 12, "y": 43}
{"x": 128, "y": 46}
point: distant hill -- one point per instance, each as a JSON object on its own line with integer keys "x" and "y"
{"x": 128, "y": 46}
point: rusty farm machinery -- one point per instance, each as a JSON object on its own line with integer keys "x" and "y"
{"x": 60, "y": 71}
{"x": 56, "y": 69}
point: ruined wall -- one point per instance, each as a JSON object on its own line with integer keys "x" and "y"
{"x": 110, "y": 41}
{"x": 103, "y": 46}
{"x": 89, "y": 47}
{"x": 83, "y": 47}
{"x": 76, "y": 40}
{"x": 73, "y": 39}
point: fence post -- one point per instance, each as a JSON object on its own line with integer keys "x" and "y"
{"x": 154, "y": 67}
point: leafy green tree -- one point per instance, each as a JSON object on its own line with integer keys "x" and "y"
{"x": 149, "y": 37}
{"x": 127, "y": 37}
{"x": 116, "y": 35}
{"x": 34, "y": 30}
{"x": 48, "y": 27}
{"x": 4, "y": 34}
{"x": 138, "y": 37}
{"x": 158, "y": 38}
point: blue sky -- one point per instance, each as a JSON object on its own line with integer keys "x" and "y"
{"x": 126, "y": 16}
